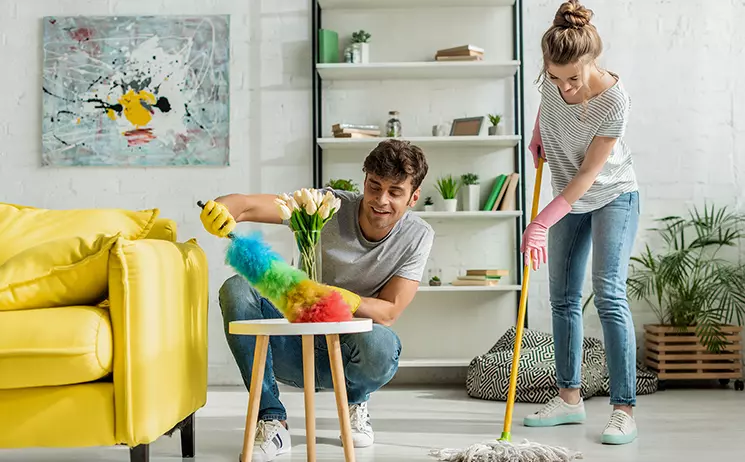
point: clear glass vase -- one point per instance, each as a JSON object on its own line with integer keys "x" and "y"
{"x": 307, "y": 254}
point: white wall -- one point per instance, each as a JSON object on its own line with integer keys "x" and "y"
{"x": 687, "y": 132}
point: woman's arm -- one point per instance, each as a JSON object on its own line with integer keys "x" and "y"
{"x": 595, "y": 158}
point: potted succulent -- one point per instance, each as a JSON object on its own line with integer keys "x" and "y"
{"x": 361, "y": 46}
{"x": 471, "y": 191}
{"x": 429, "y": 206}
{"x": 448, "y": 188}
{"x": 435, "y": 281}
{"x": 495, "y": 128}
{"x": 343, "y": 185}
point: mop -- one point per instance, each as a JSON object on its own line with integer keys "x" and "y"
{"x": 503, "y": 450}
{"x": 289, "y": 289}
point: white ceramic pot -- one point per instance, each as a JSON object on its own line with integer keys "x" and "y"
{"x": 429, "y": 208}
{"x": 471, "y": 196}
{"x": 363, "y": 51}
{"x": 450, "y": 205}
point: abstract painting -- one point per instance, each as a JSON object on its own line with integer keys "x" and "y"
{"x": 136, "y": 91}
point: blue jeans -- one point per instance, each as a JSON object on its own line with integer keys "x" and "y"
{"x": 611, "y": 230}
{"x": 370, "y": 358}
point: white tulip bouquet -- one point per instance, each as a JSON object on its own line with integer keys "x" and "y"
{"x": 308, "y": 211}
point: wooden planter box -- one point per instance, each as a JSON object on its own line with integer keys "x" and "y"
{"x": 674, "y": 354}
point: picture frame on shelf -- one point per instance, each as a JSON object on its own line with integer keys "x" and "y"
{"x": 467, "y": 126}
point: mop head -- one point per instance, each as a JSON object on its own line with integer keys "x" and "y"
{"x": 290, "y": 290}
{"x": 504, "y": 451}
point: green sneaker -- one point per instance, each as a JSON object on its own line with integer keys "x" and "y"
{"x": 621, "y": 429}
{"x": 557, "y": 412}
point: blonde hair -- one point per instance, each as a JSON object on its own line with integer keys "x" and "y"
{"x": 571, "y": 38}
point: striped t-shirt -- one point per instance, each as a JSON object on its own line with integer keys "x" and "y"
{"x": 567, "y": 131}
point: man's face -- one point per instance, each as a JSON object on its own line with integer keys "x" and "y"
{"x": 384, "y": 202}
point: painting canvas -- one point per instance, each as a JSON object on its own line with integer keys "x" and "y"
{"x": 136, "y": 91}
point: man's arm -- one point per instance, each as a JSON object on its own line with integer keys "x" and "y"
{"x": 395, "y": 296}
{"x": 258, "y": 208}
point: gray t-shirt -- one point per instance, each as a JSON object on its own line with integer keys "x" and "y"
{"x": 352, "y": 262}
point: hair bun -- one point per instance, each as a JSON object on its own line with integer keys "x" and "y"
{"x": 572, "y": 14}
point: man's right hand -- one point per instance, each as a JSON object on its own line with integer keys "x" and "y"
{"x": 216, "y": 219}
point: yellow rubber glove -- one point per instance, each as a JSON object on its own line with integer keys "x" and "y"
{"x": 216, "y": 219}
{"x": 352, "y": 299}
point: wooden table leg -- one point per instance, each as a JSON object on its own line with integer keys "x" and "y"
{"x": 340, "y": 390}
{"x": 309, "y": 385}
{"x": 254, "y": 396}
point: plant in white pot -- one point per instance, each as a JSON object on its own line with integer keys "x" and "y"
{"x": 471, "y": 191}
{"x": 429, "y": 206}
{"x": 495, "y": 128}
{"x": 361, "y": 45}
{"x": 448, "y": 188}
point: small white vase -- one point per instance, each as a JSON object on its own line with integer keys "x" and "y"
{"x": 471, "y": 196}
{"x": 450, "y": 205}
{"x": 363, "y": 50}
{"x": 429, "y": 208}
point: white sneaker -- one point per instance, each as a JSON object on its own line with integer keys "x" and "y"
{"x": 362, "y": 432}
{"x": 621, "y": 429}
{"x": 557, "y": 412}
{"x": 272, "y": 440}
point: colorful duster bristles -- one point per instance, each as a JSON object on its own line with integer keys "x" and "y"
{"x": 290, "y": 290}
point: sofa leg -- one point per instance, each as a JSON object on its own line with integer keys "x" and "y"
{"x": 140, "y": 453}
{"x": 187, "y": 437}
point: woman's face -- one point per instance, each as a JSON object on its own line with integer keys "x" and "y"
{"x": 569, "y": 78}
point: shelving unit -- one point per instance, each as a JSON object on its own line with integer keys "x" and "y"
{"x": 393, "y": 66}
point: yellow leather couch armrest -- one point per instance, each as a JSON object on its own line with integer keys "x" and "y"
{"x": 159, "y": 297}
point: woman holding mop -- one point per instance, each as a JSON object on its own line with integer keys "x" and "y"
{"x": 579, "y": 133}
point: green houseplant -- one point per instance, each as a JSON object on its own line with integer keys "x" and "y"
{"x": 361, "y": 45}
{"x": 343, "y": 185}
{"x": 429, "y": 206}
{"x": 495, "y": 128}
{"x": 448, "y": 188}
{"x": 471, "y": 191}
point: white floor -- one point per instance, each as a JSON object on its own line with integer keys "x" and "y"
{"x": 674, "y": 425}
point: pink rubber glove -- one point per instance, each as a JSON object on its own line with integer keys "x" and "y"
{"x": 535, "y": 236}
{"x": 536, "y": 144}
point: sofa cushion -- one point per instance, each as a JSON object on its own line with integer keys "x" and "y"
{"x": 63, "y": 272}
{"x": 23, "y": 227}
{"x": 60, "y": 346}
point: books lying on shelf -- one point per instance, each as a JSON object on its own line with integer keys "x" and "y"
{"x": 355, "y": 131}
{"x": 460, "y": 53}
{"x": 503, "y": 196}
{"x": 481, "y": 277}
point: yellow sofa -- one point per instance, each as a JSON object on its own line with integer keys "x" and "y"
{"x": 103, "y": 329}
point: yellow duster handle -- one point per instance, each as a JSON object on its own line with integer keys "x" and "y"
{"x": 521, "y": 315}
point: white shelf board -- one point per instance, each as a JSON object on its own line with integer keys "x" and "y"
{"x": 497, "y": 214}
{"x": 477, "y": 141}
{"x": 449, "y": 288}
{"x": 434, "y": 362}
{"x": 381, "y": 4}
{"x": 418, "y": 70}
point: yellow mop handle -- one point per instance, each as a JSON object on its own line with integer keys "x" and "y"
{"x": 521, "y": 315}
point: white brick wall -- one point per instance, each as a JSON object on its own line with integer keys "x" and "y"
{"x": 687, "y": 131}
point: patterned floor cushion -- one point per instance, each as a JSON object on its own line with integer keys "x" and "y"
{"x": 489, "y": 374}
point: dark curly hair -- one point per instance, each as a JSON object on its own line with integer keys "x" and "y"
{"x": 397, "y": 160}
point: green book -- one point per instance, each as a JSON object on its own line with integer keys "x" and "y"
{"x": 328, "y": 46}
{"x": 494, "y": 193}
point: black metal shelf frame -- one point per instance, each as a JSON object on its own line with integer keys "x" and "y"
{"x": 519, "y": 117}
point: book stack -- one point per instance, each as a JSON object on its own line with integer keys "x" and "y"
{"x": 481, "y": 277}
{"x": 460, "y": 53}
{"x": 355, "y": 131}
{"x": 503, "y": 195}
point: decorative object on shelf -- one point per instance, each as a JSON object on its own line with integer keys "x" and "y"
{"x": 434, "y": 281}
{"x": 328, "y": 46}
{"x": 348, "y": 56}
{"x": 393, "y": 126}
{"x": 308, "y": 211}
{"x": 136, "y": 91}
{"x": 467, "y": 126}
{"x": 448, "y": 188}
{"x": 355, "y": 131}
{"x": 360, "y": 47}
{"x": 471, "y": 191}
{"x": 440, "y": 129}
{"x": 429, "y": 206}
{"x": 343, "y": 185}
{"x": 496, "y": 128}
{"x": 460, "y": 53}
